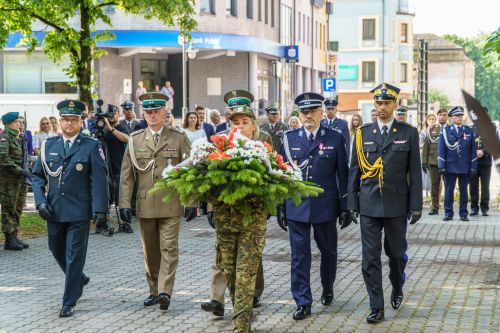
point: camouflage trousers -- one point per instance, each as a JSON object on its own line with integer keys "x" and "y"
{"x": 240, "y": 253}
{"x": 12, "y": 199}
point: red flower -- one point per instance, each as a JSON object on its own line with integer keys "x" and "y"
{"x": 268, "y": 147}
{"x": 217, "y": 155}
{"x": 280, "y": 162}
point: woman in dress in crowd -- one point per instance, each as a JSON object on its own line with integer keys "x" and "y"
{"x": 294, "y": 122}
{"x": 355, "y": 123}
{"x": 192, "y": 127}
{"x": 45, "y": 132}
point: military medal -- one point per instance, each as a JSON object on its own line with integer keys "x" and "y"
{"x": 321, "y": 149}
{"x": 79, "y": 167}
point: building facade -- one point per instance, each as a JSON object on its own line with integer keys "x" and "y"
{"x": 237, "y": 45}
{"x": 375, "y": 44}
{"x": 449, "y": 69}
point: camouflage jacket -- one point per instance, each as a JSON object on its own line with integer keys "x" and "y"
{"x": 11, "y": 155}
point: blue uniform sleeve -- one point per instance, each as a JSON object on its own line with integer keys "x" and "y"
{"x": 39, "y": 181}
{"x": 98, "y": 179}
{"x": 342, "y": 172}
{"x": 442, "y": 150}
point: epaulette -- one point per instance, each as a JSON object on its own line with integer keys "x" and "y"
{"x": 53, "y": 137}
{"x": 335, "y": 129}
{"x": 175, "y": 129}
{"x": 292, "y": 130}
{"x": 365, "y": 125}
{"x": 405, "y": 123}
{"x": 86, "y": 137}
{"x": 137, "y": 132}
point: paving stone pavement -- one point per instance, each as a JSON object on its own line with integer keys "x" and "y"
{"x": 453, "y": 285}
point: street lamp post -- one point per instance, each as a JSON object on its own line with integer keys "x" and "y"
{"x": 191, "y": 53}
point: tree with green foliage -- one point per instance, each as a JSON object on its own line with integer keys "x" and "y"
{"x": 71, "y": 28}
{"x": 487, "y": 74}
{"x": 437, "y": 96}
{"x": 493, "y": 44}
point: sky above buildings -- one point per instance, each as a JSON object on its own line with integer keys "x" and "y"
{"x": 463, "y": 18}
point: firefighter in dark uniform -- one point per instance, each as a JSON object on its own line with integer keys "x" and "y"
{"x": 385, "y": 189}
{"x": 484, "y": 163}
{"x": 70, "y": 188}
{"x": 320, "y": 153}
{"x": 457, "y": 159}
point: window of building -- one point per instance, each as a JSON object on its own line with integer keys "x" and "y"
{"x": 368, "y": 29}
{"x": 403, "y": 72}
{"x": 299, "y": 20}
{"x": 231, "y": 7}
{"x": 403, "y": 35}
{"x": 304, "y": 28}
{"x": 368, "y": 72}
{"x": 266, "y": 11}
{"x": 272, "y": 13}
{"x": 316, "y": 35}
{"x": 286, "y": 25}
{"x": 207, "y": 7}
{"x": 259, "y": 10}
{"x": 250, "y": 9}
{"x": 308, "y": 30}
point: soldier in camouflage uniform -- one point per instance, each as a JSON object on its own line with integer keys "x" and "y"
{"x": 12, "y": 177}
{"x": 239, "y": 246}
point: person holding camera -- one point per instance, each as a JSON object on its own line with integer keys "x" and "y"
{"x": 69, "y": 185}
{"x": 115, "y": 138}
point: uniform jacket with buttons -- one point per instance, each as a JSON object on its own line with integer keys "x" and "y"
{"x": 430, "y": 149}
{"x": 486, "y": 160}
{"x": 327, "y": 167}
{"x": 276, "y": 133}
{"x": 172, "y": 148}
{"x": 133, "y": 124}
{"x": 401, "y": 190}
{"x": 339, "y": 124}
{"x": 461, "y": 160}
{"x": 82, "y": 187}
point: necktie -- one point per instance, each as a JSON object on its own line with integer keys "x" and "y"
{"x": 331, "y": 123}
{"x": 155, "y": 138}
{"x": 384, "y": 132}
{"x": 66, "y": 147}
{"x": 311, "y": 138}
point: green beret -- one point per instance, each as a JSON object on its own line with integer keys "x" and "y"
{"x": 153, "y": 100}
{"x": 9, "y": 117}
{"x": 71, "y": 107}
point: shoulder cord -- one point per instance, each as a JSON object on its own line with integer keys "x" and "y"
{"x": 454, "y": 146}
{"x": 46, "y": 168}
{"x": 368, "y": 170}
{"x": 289, "y": 156}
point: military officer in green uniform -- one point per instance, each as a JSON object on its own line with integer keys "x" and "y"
{"x": 429, "y": 162}
{"x": 12, "y": 181}
{"x": 274, "y": 126}
{"x": 239, "y": 246}
{"x": 401, "y": 114}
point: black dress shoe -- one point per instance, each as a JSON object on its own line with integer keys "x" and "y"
{"x": 485, "y": 213}
{"x": 433, "y": 212}
{"x": 151, "y": 300}
{"x": 448, "y": 218}
{"x": 474, "y": 214}
{"x": 302, "y": 312}
{"x": 464, "y": 218}
{"x": 396, "y": 300}
{"x": 66, "y": 311}
{"x": 327, "y": 297}
{"x": 164, "y": 300}
{"x": 256, "y": 302}
{"x": 215, "y": 307}
{"x": 375, "y": 316}
{"x": 126, "y": 228}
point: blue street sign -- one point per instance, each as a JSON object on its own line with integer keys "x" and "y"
{"x": 330, "y": 84}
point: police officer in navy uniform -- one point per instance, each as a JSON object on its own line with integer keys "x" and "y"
{"x": 385, "y": 189}
{"x": 321, "y": 155}
{"x": 70, "y": 188}
{"x": 331, "y": 121}
{"x": 457, "y": 159}
{"x": 484, "y": 163}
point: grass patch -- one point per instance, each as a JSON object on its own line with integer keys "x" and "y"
{"x": 32, "y": 225}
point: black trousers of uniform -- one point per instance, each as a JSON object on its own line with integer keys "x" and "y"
{"x": 68, "y": 244}
{"x": 395, "y": 246}
{"x": 483, "y": 176}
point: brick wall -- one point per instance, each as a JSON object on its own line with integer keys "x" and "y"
{"x": 111, "y": 70}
